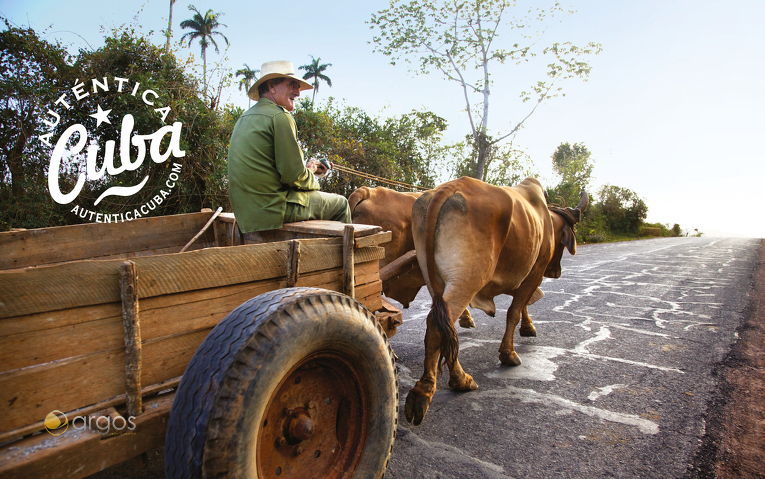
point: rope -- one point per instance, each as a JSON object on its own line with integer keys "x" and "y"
{"x": 350, "y": 171}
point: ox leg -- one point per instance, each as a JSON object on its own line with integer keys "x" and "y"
{"x": 466, "y": 320}
{"x": 419, "y": 397}
{"x": 459, "y": 380}
{"x": 527, "y": 327}
{"x": 507, "y": 354}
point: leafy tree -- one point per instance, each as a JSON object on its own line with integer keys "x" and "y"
{"x": 204, "y": 28}
{"x": 315, "y": 70}
{"x": 460, "y": 37}
{"x": 33, "y": 74}
{"x": 248, "y": 75}
{"x": 623, "y": 210}
{"x": 404, "y": 148}
{"x": 573, "y": 164}
{"x": 505, "y": 165}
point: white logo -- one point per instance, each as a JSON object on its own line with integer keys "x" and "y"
{"x": 66, "y": 149}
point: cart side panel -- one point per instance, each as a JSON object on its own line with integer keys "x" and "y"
{"x": 72, "y": 357}
{"x": 162, "y": 234}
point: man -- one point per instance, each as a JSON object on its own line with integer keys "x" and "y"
{"x": 269, "y": 185}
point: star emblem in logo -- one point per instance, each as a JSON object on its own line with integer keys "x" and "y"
{"x": 102, "y": 116}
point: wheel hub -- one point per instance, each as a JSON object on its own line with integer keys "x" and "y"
{"x": 315, "y": 422}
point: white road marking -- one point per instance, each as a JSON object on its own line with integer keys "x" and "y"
{"x": 604, "y": 391}
{"x": 530, "y": 396}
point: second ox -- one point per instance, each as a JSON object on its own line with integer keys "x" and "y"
{"x": 475, "y": 241}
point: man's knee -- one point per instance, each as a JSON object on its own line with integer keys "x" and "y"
{"x": 337, "y": 207}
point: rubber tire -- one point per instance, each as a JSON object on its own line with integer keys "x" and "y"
{"x": 233, "y": 373}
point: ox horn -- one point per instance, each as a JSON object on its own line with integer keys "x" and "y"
{"x": 583, "y": 202}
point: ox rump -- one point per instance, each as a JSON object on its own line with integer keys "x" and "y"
{"x": 475, "y": 241}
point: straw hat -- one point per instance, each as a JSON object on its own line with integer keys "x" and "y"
{"x": 270, "y": 70}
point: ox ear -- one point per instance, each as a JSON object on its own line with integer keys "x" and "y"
{"x": 569, "y": 239}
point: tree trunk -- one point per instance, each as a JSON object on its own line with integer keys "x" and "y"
{"x": 169, "y": 27}
{"x": 16, "y": 165}
{"x": 204, "y": 68}
{"x": 484, "y": 148}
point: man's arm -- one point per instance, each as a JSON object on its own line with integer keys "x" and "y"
{"x": 289, "y": 156}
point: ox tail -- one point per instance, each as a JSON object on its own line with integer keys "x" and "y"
{"x": 439, "y": 310}
{"x": 358, "y": 195}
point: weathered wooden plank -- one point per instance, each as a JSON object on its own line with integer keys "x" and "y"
{"x": 195, "y": 310}
{"x": 27, "y": 395}
{"x": 348, "y": 262}
{"x": 80, "y": 453}
{"x": 293, "y": 263}
{"x": 149, "y": 392}
{"x": 329, "y": 228}
{"x": 369, "y": 289}
{"x": 35, "y": 247}
{"x": 374, "y": 240}
{"x": 372, "y": 302}
{"x": 168, "y": 274}
{"x": 221, "y": 236}
{"x": 36, "y": 339}
{"x": 132, "y": 324}
{"x": 317, "y": 257}
{"x": 166, "y": 358}
{"x": 223, "y": 266}
{"x": 81, "y": 283}
{"x": 68, "y": 285}
{"x": 227, "y": 217}
{"x": 43, "y": 337}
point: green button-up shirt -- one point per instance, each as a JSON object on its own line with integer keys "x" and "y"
{"x": 265, "y": 167}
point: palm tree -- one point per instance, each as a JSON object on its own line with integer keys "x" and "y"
{"x": 203, "y": 27}
{"x": 314, "y": 70}
{"x": 249, "y": 75}
{"x": 169, "y": 27}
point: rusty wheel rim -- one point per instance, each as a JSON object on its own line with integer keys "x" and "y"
{"x": 315, "y": 424}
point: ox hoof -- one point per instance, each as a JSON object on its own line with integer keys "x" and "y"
{"x": 465, "y": 383}
{"x": 417, "y": 405}
{"x": 530, "y": 332}
{"x": 467, "y": 323}
{"x": 509, "y": 358}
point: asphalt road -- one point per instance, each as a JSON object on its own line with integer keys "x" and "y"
{"x": 616, "y": 384}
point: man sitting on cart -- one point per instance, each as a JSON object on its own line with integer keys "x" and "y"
{"x": 269, "y": 185}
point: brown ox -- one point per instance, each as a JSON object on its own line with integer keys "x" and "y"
{"x": 475, "y": 241}
{"x": 392, "y": 210}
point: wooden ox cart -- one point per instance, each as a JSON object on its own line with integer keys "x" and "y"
{"x": 98, "y": 323}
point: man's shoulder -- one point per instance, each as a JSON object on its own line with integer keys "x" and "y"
{"x": 266, "y": 108}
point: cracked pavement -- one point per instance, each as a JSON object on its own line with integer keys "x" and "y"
{"x": 615, "y": 385}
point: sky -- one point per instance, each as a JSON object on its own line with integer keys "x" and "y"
{"x": 672, "y": 109}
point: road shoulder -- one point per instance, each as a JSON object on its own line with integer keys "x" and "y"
{"x": 734, "y": 443}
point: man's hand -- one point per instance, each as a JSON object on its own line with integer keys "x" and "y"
{"x": 318, "y": 168}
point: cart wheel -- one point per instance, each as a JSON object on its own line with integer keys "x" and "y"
{"x": 294, "y": 383}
